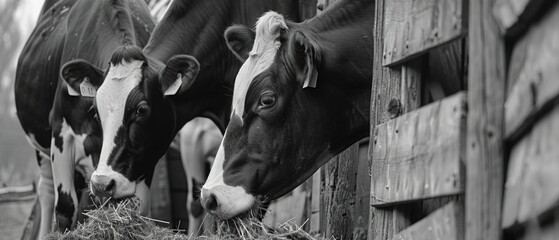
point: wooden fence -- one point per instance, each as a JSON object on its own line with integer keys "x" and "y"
{"x": 464, "y": 138}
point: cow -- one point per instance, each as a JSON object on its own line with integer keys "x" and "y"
{"x": 199, "y": 140}
{"x": 300, "y": 98}
{"x": 164, "y": 90}
{"x": 57, "y": 122}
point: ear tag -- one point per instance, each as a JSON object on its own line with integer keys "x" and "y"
{"x": 174, "y": 88}
{"x": 72, "y": 91}
{"x": 87, "y": 89}
{"x": 312, "y": 75}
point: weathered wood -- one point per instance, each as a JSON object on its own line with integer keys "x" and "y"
{"x": 338, "y": 194}
{"x": 425, "y": 145}
{"x": 533, "y": 174}
{"x": 445, "y": 223}
{"x": 543, "y": 226}
{"x": 413, "y": 27}
{"x": 315, "y": 203}
{"x": 534, "y": 77}
{"x": 362, "y": 193}
{"x": 515, "y": 15}
{"x": 484, "y": 164}
{"x": 387, "y": 85}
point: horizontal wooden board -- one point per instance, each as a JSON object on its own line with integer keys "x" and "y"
{"x": 413, "y": 27}
{"x": 534, "y": 75}
{"x": 511, "y": 14}
{"x": 444, "y": 224}
{"x": 418, "y": 155}
{"x": 533, "y": 175}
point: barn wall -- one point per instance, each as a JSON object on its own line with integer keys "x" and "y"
{"x": 531, "y": 119}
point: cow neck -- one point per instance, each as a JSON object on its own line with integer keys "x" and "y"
{"x": 196, "y": 28}
{"x": 348, "y": 72}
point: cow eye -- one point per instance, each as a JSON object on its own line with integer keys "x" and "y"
{"x": 142, "y": 109}
{"x": 267, "y": 99}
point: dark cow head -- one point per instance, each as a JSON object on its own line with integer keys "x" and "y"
{"x": 275, "y": 122}
{"x": 134, "y": 111}
{"x": 287, "y": 120}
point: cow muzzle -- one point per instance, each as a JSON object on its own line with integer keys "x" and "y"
{"x": 225, "y": 202}
{"x": 113, "y": 185}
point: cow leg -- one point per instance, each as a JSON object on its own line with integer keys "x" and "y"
{"x": 46, "y": 195}
{"x": 62, "y": 157}
{"x": 142, "y": 192}
{"x": 194, "y": 207}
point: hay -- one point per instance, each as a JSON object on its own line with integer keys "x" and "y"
{"x": 122, "y": 220}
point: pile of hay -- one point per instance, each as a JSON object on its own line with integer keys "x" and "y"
{"x": 122, "y": 221}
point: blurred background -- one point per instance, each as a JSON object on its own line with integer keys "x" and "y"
{"x": 18, "y": 165}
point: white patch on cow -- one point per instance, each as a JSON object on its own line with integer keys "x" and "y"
{"x": 260, "y": 58}
{"x": 111, "y": 102}
{"x": 143, "y": 193}
{"x": 232, "y": 200}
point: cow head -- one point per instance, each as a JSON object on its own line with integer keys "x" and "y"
{"x": 133, "y": 109}
{"x": 278, "y": 134}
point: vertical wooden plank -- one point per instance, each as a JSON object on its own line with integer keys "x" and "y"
{"x": 362, "y": 193}
{"x": 387, "y": 87}
{"x": 315, "y": 203}
{"x": 338, "y": 194}
{"x": 484, "y": 164}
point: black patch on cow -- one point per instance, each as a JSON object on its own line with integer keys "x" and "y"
{"x": 127, "y": 53}
{"x": 234, "y": 137}
{"x": 64, "y": 210}
{"x": 56, "y": 130}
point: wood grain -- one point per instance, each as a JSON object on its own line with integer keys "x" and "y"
{"x": 386, "y": 86}
{"x": 443, "y": 224}
{"x": 337, "y": 206}
{"x": 419, "y": 153}
{"x": 413, "y": 27}
{"x": 486, "y": 93}
{"x": 535, "y": 75}
{"x": 531, "y": 185}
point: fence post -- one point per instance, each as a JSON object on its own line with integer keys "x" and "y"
{"x": 484, "y": 160}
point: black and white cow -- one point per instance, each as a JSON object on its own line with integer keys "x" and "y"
{"x": 56, "y": 121}
{"x": 199, "y": 140}
{"x": 156, "y": 94}
{"x": 300, "y": 98}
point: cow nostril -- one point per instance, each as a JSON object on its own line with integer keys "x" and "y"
{"x": 210, "y": 202}
{"x": 110, "y": 187}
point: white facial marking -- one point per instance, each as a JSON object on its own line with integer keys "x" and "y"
{"x": 111, "y": 100}
{"x": 215, "y": 178}
{"x": 233, "y": 200}
{"x": 260, "y": 58}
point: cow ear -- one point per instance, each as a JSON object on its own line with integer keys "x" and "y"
{"x": 179, "y": 74}
{"x": 240, "y": 39}
{"x": 308, "y": 55}
{"x": 82, "y": 77}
